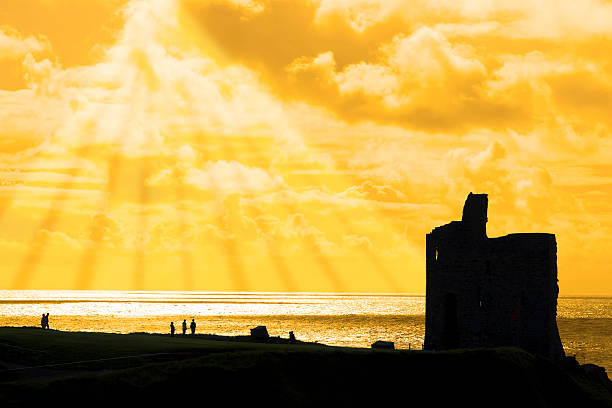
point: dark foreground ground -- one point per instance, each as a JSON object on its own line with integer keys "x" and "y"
{"x": 94, "y": 369}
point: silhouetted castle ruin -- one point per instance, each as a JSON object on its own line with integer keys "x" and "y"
{"x": 489, "y": 292}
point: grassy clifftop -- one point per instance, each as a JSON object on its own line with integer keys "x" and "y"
{"x": 81, "y": 368}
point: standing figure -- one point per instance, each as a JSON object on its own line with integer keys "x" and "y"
{"x": 291, "y": 337}
{"x": 172, "y": 329}
{"x": 42, "y": 321}
{"x": 47, "y": 322}
{"x": 193, "y": 326}
{"x": 184, "y": 326}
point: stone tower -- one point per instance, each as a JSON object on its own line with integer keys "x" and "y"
{"x": 490, "y": 292}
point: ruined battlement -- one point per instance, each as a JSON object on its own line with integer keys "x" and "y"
{"x": 490, "y": 292}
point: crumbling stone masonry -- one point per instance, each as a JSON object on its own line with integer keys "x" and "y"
{"x": 490, "y": 292}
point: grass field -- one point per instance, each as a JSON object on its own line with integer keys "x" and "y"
{"x": 98, "y": 368}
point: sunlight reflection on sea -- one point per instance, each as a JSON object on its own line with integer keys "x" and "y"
{"x": 355, "y": 320}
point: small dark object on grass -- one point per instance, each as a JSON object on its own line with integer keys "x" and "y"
{"x": 260, "y": 333}
{"x": 291, "y": 337}
{"x": 389, "y": 345}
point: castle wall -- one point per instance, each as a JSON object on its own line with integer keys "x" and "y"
{"x": 489, "y": 292}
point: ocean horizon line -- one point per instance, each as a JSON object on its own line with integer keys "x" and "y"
{"x": 260, "y": 293}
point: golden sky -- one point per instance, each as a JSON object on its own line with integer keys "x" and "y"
{"x": 296, "y": 144}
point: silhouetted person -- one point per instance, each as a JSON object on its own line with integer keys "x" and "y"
{"x": 172, "y": 329}
{"x": 47, "y": 321}
{"x": 42, "y": 321}
{"x": 291, "y": 337}
{"x": 184, "y": 327}
{"x": 193, "y": 326}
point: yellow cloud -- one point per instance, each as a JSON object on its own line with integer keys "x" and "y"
{"x": 221, "y": 178}
{"x": 361, "y": 14}
{"x": 304, "y": 145}
{"x": 57, "y": 238}
{"x": 14, "y": 46}
{"x": 522, "y": 18}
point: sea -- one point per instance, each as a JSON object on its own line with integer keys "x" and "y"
{"x": 340, "y": 319}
